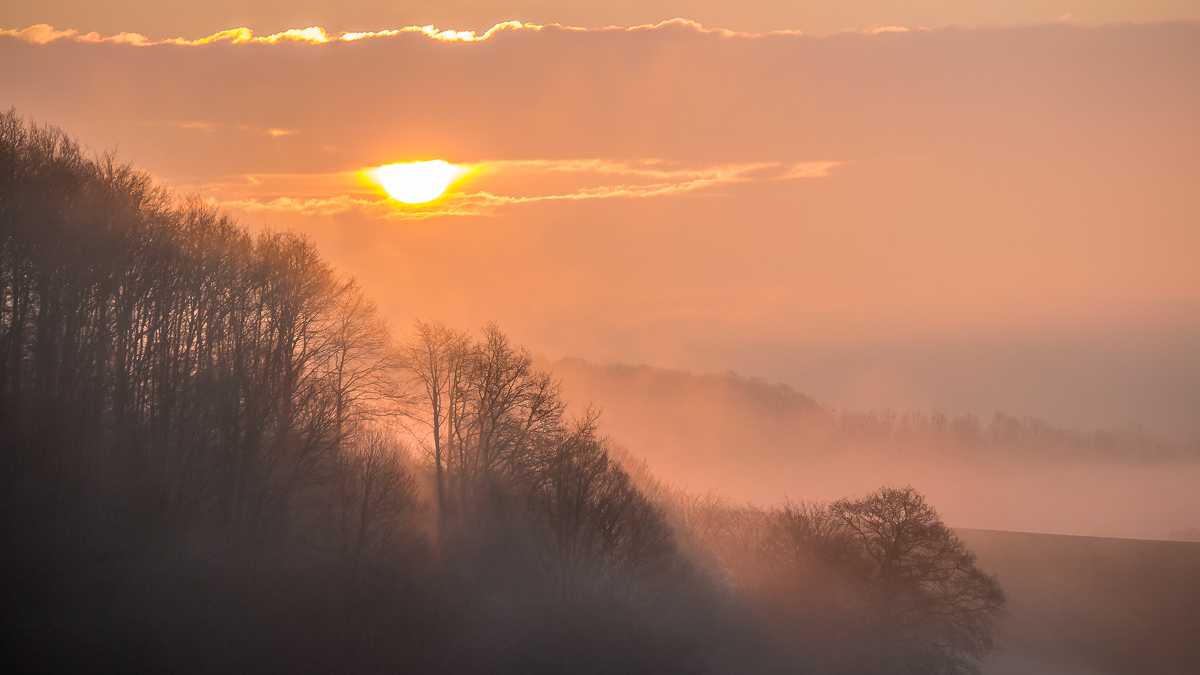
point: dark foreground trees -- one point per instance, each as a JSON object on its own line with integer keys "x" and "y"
{"x": 186, "y": 430}
{"x": 202, "y": 436}
{"x": 216, "y": 459}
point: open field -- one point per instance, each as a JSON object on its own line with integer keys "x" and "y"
{"x": 1089, "y": 605}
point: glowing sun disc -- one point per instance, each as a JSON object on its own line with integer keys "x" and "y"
{"x": 417, "y": 182}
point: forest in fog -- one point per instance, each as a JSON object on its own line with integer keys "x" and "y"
{"x": 219, "y": 458}
{"x": 998, "y": 472}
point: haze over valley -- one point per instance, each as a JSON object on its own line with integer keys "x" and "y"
{"x": 665, "y": 337}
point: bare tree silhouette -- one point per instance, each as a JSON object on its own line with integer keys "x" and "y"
{"x": 935, "y": 611}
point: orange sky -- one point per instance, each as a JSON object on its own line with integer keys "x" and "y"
{"x": 967, "y": 219}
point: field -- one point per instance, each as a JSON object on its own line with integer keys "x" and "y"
{"x": 1090, "y": 605}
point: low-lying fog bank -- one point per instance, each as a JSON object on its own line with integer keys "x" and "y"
{"x": 756, "y": 441}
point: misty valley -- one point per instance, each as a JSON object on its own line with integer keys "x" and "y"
{"x": 219, "y": 457}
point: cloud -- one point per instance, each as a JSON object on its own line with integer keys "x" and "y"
{"x": 187, "y": 125}
{"x": 40, "y": 34}
{"x": 44, "y": 33}
{"x": 657, "y": 168}
{"x": 310, "y": 206}
{"x": 693, "y": 25}
{"x": 210, "y": 127}
{"x": 657, "y": 180}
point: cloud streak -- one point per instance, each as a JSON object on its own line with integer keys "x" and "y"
{"x": 664, "y": 181}
{"x": 46, "y": 33}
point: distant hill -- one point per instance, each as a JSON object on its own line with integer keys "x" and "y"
{"x": 761, "y": 441}
{"x": 1084, "y": 605}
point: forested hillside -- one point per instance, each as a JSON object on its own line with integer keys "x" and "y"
{"x": 217, "y": 458}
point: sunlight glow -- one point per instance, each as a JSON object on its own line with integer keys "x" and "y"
{"x": 417, "y": 182}
{"x": 43, "y": 33}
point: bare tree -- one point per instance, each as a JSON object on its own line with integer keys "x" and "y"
{"x": 482, "y": 404}
{"x": 935, "y": 611}
{"x": 877, "y": 584}
{"x": 437, "y": 359}
{"x": 510, "y": 406}
{"x": 357, "y": 365}
{"x": 810, "y": 537}
{"x": 594, "y": 517}
{"x": 377, "y": 498}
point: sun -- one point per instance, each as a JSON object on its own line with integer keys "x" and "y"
{"x": 417, "y": 182}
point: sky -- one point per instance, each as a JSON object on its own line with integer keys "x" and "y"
{"x": 952, "y": 206}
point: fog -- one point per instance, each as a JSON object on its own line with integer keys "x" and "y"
{"x": 219, "y": 459}
{"x": 763, "y": 442}
{"x": 987, "y": 219}
{"x": 908, "y": 298}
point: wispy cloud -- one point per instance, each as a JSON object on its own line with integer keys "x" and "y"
{"x": 190, "y": 125}
{"x": 209, "y": 127}
{"x": 40, "y": 34}
{"x": 44, "y": 33}
{"x": 649, "y": 168}
{"x": 659, "y": 181}
{"x": 311, "y": 206}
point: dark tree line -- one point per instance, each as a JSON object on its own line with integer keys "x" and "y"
{"x": 203, "y": 432}
{"x": 216, "y": 458}
{"x": 176, "y": 392}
